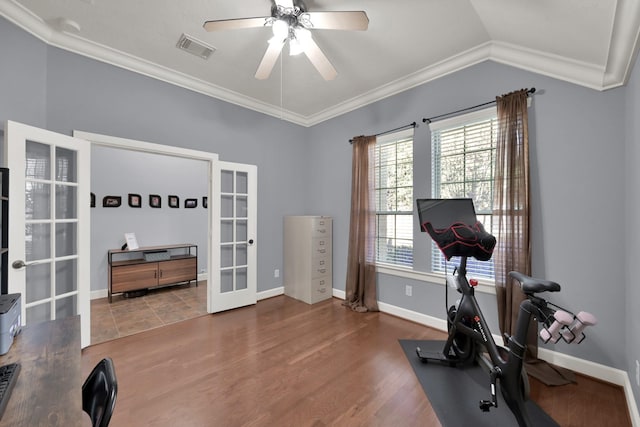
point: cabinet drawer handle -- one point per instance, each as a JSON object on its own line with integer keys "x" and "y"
{"x": 322, "y": 230}
{"x": 322, "y": 270}
{"x": 322, "y": 290}
{"x": 322, "y": 262}
{"x": 321, "y": 282}
{"x": 322, "y": 251}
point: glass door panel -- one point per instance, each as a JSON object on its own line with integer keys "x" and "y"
{"x": 45, "y": 211}
{"x": 37, "y": 239}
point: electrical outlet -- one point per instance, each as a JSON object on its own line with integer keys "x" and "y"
{"x": 637, "y": 373}
{"x": 408, "y": 290}
{"x": 276, "y": 273}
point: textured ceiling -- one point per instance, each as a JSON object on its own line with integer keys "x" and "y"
{"x": 588, "y": 42}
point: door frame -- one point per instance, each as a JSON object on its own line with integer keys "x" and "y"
{"x": 213, "y": 250}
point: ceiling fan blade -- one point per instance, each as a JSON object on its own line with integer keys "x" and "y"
{"x": 233, "y": 24}
{"x": 269, "y": 59}
{"x": 287, "y": 4}
{"x": 357, "y": 20}
{"x": 319, "y": 60}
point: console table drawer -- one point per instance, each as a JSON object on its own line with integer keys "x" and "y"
{"x": 131, "y": 277}
{"x": 179, "y": 270}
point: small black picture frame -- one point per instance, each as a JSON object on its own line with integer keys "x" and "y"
{"x": 205, "y": 202}
{"x": 174, "y": 201}
{"x": 135, "y": 200}
{"x": 111, "y": 201}
{"x": 93, "y": 200}
{"x": 190, "y": 203}
{"x": 155, "y": 201}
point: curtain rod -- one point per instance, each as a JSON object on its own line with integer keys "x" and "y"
{"x": 410, "y": 125}
{"x": 430, "y": 119}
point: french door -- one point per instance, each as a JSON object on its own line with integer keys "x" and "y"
{"x": 236, "y": 185}
{"x": 49, "y": 229}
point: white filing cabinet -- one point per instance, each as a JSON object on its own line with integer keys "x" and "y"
{"x": 307, "y": 258}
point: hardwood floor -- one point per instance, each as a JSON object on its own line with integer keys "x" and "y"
{"x": 285, "y": 363}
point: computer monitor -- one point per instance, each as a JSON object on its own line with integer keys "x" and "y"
{"x": 441, "y": 213}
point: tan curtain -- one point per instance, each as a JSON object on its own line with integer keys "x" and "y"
{"x": 511, "y": 214}
{"x": 361, "y": 271}
{"x": 511, "y": 210}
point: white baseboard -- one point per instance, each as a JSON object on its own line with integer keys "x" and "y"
{"x": 101, "y": 293}
{"x": 585, "y": 367}
{"x": 270, "y": 293}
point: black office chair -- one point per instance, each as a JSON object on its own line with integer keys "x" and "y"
{"x": 99, "y": 393}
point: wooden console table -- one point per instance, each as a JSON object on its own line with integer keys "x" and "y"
{"x": 49, "y": 386}
{"x": 130, "y": 271}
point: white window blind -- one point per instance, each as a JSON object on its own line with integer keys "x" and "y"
{"x": 463, "y": 157}
{"x": 394, "y": 198}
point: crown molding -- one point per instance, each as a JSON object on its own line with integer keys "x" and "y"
{"x": 622, "y": 53}
{"x": 623, "y": 48}
{"x": 450, "y": 65}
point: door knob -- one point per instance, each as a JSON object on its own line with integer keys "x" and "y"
{"x": 251, "y": 241}
{"x": 18, "y": 264}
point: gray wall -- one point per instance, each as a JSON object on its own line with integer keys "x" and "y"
{"x": 578, "y": 149}
{"x": 629, "y": 329}
{"x": 23, "y": 73}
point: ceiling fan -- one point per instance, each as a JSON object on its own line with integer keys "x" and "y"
{"x": 291, "y": 22}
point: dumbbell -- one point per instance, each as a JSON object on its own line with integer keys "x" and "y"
{"x": 553, "y": 332}
{"x": 583, "y": 319}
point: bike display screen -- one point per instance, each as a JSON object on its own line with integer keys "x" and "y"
{"x": 442, "y": 213}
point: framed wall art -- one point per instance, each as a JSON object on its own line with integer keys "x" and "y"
{"x": 174, "y": 201}
{"x": 190, "y": 203}
{"x": 111, "y": 201}
{"x": 155, "y": 201}
{"x": 135, "y": 201}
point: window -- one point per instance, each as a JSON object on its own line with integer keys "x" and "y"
{"x": 394, "y": 198}
{"x": 463, "y": 159}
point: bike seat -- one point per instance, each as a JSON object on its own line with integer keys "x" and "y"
{"x": 531, "y": 285}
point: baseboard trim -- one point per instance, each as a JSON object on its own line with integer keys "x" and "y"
{"x": 585, "y": 367}
{"x": 101, "y": 293}
{"x": 270, "y": 293}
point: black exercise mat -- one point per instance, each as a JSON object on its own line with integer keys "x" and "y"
{"x": 455, "y": 393}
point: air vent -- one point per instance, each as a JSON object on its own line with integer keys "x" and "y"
{"x": 195, "y": 47}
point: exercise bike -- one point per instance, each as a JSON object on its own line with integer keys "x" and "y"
{"x": 470, "y": 340}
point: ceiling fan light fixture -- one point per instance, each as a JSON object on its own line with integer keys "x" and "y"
{"x": 295, "y": 47}
{"x": 302, "y": 34}
{"x": 298, "y": 40}
{"x": 280, "y": 29}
